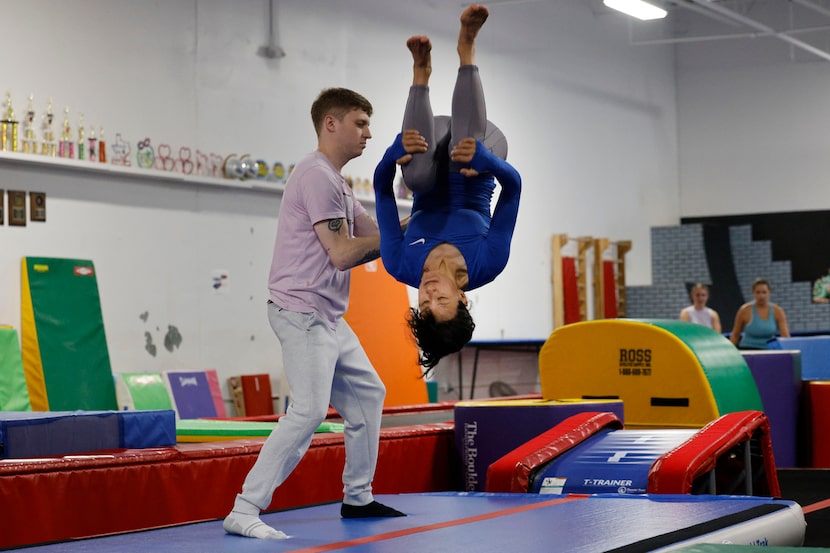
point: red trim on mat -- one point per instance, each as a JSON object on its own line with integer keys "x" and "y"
{"x": 512, "y": 471}
{"x": 437, "y": 525}
{"x": 817, "y": 506}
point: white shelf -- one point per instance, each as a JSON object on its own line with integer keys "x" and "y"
{"x": 37, "y": 161}
{"x": 64, "y": 164}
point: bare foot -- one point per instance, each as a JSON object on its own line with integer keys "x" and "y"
{"x": 472, "y": 19}
{"x": 421, "y": 49}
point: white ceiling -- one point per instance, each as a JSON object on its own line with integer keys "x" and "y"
{"x": 802, "y": 25}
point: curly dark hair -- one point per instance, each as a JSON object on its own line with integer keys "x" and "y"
{"x": 434, "y": 339}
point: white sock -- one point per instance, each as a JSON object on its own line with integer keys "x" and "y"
{"x": 250, "y": 526}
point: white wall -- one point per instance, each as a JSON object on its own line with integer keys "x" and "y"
{"x": 591, "y": 123}
{"x": 752, "y": 119}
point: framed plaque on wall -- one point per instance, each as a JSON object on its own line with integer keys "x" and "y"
{"x": 37, "y": 206}
{"x": 17, "y": 208}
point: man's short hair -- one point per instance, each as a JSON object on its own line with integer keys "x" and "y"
{"x": 337, "y": 102}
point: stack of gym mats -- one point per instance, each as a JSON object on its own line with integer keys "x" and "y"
{"x": 13, "y": 393}
{"x": 192, "y": 394}
{"x": 65, "y": 355}
{"x": 815, "y": 372}
{"x": 31, "y": 434}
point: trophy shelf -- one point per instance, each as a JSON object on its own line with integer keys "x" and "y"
{"x": 37, "y": 161}
{"x": 41, "y": 162}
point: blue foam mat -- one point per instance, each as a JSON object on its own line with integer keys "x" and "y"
{"x": 452, "y": 522}
{"x": 26, "y": 434}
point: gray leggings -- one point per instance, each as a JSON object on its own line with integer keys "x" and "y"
{"x": 469, "y": 119}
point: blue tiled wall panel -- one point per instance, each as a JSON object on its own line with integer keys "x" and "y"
{"x": 678, "y": 257}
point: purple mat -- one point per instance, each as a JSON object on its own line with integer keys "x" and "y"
{"x": 778, "y": 377}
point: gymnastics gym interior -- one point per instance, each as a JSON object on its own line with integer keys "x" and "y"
{"x": 141, "y": 378}
{"x": 644, "y": 435}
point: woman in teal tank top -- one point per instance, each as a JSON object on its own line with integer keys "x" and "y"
{"x": 759, "y": 321}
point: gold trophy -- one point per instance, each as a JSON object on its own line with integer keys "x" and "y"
{"x": 8, "y": 127}
{"x": 29, "y": 145}
{"x": 66, "y": 148}
{"x": 48, "y": 146}
{"x": 81, "y": 140}
{"x": 102, "y": 146}
{"x": 93, "y": 145}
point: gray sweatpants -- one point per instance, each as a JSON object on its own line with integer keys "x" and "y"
{"x": 323, "y": 366}
{"x": 468, "y": 119}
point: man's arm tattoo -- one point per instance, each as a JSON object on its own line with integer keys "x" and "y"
{"x": 335, "y": 225}
{"x": 371, "y": 255}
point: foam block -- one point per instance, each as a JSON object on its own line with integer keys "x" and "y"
{"x": 486, "y": 430}
{"x": 778, "y": 377}
{"x": 668, "y": 372}
{"x": 815, "y": 354}
{"x": 819, "y": 405}
{"x": 38, "y": 434}
{"x": 145, "y": 429}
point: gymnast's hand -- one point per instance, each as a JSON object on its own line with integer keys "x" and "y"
{"x": 463, "y": 152}
{"x": 413, "y": 143}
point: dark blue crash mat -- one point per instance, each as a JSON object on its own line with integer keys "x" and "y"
{"x": 498, "y": 523}
{"x": 26, "y": 434}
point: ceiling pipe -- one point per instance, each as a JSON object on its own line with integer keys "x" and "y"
{"x": 688, "y": 5}
{"x": 732, "y": 36}
{"x": 810, "y": 5}
{"x": 271, "y": 50}
{"x": 717, "y": 8}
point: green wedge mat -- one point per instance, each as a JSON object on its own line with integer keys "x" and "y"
{"x": 65, "y": 355}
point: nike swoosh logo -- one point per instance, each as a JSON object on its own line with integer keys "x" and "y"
{"x": 418, "y": 241}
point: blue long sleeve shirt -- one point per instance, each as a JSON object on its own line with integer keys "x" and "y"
{"x": 456, "y": 211}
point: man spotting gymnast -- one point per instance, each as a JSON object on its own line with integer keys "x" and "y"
{"x": 322, "y": 233}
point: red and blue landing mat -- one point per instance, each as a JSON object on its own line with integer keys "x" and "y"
{"x": 483, "y": 523}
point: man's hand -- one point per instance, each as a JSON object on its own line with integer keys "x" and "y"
{"x": 413, "y": 143}
{"x": 463, "y": 152}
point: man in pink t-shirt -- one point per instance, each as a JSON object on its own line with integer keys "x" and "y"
{"x": 322, "y": 233}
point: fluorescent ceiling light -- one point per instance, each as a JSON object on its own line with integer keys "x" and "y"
{"x": 636, "y": 8}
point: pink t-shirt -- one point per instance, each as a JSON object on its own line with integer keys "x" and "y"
{"x": 302, "y": 276}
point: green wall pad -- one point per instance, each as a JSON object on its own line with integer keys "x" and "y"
{"x": 13, "y": 393}
{"x": 65, "y": 356}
